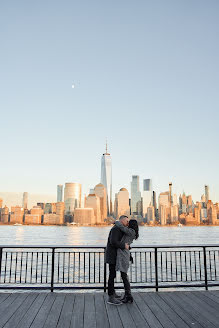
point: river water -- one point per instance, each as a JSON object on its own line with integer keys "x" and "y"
{"x": 67, "y": 235}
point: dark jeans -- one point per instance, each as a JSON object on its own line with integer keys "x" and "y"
{"x": 112, "y": 276}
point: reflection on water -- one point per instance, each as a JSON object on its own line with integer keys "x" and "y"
{"x": 55, "y": 235}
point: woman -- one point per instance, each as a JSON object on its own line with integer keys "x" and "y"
{"x": 123, "y": 256}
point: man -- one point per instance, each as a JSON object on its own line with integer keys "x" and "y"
{"x": 114, "y": 242}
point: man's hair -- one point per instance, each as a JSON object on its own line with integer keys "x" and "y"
{"x": 123, "y": 217}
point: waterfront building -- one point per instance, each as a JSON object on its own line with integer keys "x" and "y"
{"x": 147, "y": 196}
{"x": 203, "y": 214}
{"x": 174, "y": 213}
{"x": 197, "y": 214}
{"x": 84, "y": 216}
{"x": 59, "y": 193}
{"x": 52, "y": 219}
{"x": 25, "y": 200}
{"x": 123, "y": 207}
{"x": 206, "y": 194}
{"x": 50, "y": 208}
{"x": 32, "y": 219}
{"x": 60, "y": 210}
{"x": 154, "y": 203}
{"x": 163, "y": 214}
{"x": 189, "y": 204}
{"x": 72, "y": 197}
{"x": 150, "y": 215}
{"x": 5, "y": 214}
{"x": 93, "y": 201}
{"x": 164, "y": 198}
{"x": 211, "y": 212}
{"x": 17, "y": 214}
{"x": 136, "y": 203}
{"x": 170, "y": 194}
{"x": 106, "y": 178}
{"x": 191, "y": 220}
{"x": 100, "y": 191}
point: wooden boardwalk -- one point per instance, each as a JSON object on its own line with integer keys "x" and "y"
{"x": 89, "y": 310}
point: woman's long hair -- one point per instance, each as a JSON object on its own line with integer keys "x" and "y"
{"x": 133, "y": 224}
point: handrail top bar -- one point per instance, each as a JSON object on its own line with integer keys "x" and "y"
{"x": 104, "y": 246}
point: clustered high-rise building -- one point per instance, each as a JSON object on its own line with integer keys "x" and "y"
{"x": 97, "y": 207}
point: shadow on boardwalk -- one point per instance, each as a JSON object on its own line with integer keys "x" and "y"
{"x": 157, "y": 310}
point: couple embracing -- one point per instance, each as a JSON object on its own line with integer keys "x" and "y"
{"x": 118, "y": 256}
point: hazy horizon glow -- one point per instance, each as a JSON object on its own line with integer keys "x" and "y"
{"x": 145, "y": 75}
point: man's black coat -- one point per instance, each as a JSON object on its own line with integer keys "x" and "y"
{"x": 114, "y": 242}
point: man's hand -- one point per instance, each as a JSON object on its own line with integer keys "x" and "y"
{"x": 126, "y": 246}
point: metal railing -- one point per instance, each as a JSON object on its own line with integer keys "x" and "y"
{"x": 84, "y": 267}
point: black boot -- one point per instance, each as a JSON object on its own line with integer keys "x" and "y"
{"x": 127, "y": 298}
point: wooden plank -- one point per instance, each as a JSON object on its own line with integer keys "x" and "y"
{"x": 15, "y": 319}
{"x": 126, "y": 317}
{"x": 211, "y": 296}
{"x": 204, "y": 298}
{"x": 113, "y": 314}
{"x": 186, "y": 317}
{"x": 9, "y": 300}
{"x": 100, "y": 310}
{"x": 42, "y": 315}
{"x": 173, "y": 316}
{"x": 202, "y": 308}
{"x": 148, "y": 315}
{"x": 11, "y": 308}
{"x": 55, "y": 311}
{"x": 215, "y": 293}
{"x": 3, "y": 296}
{"x": 89, "y": 311}
{"x": 157, "y": 311}
{"x": 33, "y": 310}
{"x": 77, "y": 320}
{"x": 136, "y": 314}
{"x": 67, "y": 310}
{"x": 188, "y": 307}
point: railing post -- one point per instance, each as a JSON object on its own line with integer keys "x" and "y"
{"x": 156, "y": 270}
{"x": 104, "y": 270}
{"x": 52, "y": 269}
{"x": 205, "y": 268}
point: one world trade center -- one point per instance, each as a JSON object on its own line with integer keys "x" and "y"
{"x": 106, "y": 178}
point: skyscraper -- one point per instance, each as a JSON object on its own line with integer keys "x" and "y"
{"x": 135, "y": 195}
{"x": 147, "y": 197}
{"x": 100, "y": 191}
{"x": 72, "y": 197}
{"x": 106, "y": 178}
{"x": 123, "y": 202}
{"x": 59, "y": 193}
{"x": 206, "y": 194}
{"x": 25, "y": 200}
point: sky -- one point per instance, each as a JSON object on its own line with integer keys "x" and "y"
{"x": 145, "y": 76}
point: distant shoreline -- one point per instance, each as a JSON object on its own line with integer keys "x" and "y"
{"x": 106, "y": 225}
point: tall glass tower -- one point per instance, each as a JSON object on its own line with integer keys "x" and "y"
{"x": 135, "y": 196}
{"x": 106, "y": 178}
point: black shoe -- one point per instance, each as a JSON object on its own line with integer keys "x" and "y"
{"x": 117, "y": 296}
{"x": 127, "y": 299}
{"x": 112, "y": 300}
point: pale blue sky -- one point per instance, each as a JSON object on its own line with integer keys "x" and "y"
{"x": 146, "y": 76}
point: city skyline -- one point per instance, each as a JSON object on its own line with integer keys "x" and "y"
{"x": 143, "y": 186}
{"x": 145, "y": 76}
